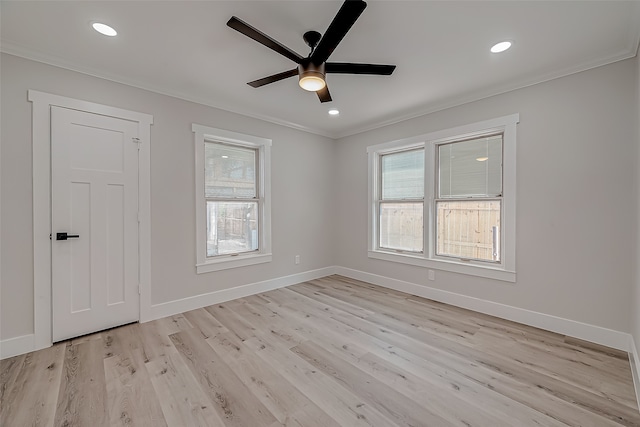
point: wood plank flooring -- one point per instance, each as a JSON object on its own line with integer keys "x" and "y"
{"x": 326, "y": 353}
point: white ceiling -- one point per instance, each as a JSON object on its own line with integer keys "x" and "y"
{"x": 441, "y": 50}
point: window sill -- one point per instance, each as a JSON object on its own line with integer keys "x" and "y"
{"x": 453, "y": 266}
{"x": 228, "y": 262}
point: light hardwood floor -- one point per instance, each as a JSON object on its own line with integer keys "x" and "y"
{"x": 329, "y": 352}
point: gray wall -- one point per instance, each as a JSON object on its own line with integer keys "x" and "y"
{"x": 302, "y": 183}
{"x": 577, "y": 194}
{"x": 576, "y": 156}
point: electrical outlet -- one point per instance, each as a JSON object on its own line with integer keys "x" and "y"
{"x": 297, "y": 259}
{"x": 432, "y": 275}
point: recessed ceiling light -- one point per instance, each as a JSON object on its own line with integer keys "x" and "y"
{"x": 482, "y": 159}
{"x": 500, "y": 47}
{"x": 104, "y": 29}
{"x": 334, "y": 112}
{"x": 225, "y": 157}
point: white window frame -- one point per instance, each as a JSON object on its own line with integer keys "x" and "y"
{"x": 379, "y": 201}
{"x": 206, "y": 264}
{"x": 505, "y": 270}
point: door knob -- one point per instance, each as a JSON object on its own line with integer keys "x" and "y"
{"x": 65, "y": 236}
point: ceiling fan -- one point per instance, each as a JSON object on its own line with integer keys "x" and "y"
{"x": 312, "y": 70}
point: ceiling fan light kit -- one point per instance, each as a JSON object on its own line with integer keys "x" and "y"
{"x": 311, "y": 71}
{"x": 311, "y": 77}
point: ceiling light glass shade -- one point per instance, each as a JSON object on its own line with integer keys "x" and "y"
{"x": 500, "y": 47}
{"x": 104, "y": 29}
{"x": 312, "y": 83}
{"x": 311, "y": 77}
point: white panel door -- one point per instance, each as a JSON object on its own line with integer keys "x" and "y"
{"x": 94, "y": 196}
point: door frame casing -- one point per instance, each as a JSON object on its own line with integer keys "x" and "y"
{"x": 41, "y": 163}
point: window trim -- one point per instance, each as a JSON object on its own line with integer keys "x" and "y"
{"x": 506, "y": 270}
{"x": 206, "y": 264}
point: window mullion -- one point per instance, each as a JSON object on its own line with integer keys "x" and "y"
{"x": 430, "y": 183}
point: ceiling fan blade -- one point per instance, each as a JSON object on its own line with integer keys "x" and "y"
{"x": 257, "y": 35}
{"x": 343, "y": 21}
{"x": 274, "y": 78}
{"x": 324, "y": 95}
{"x": 349, "y": 68}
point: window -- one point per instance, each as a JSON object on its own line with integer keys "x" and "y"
{"x": 402, "y": 200}
{"x": 230, "y": 187}
{"x": 232, "y": 200}
{"x": 446, "y": 200}
{"x": 469, "y": 198}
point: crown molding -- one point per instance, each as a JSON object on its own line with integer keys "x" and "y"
{"x": 629, "y": 51}
{"x": 467, "y": 98}
{"x": 16, "y": 50}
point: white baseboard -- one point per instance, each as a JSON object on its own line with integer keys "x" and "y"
{"x": 170, "y": 308}
{"x": 610, "y": 338}
{"x": 16, "y": 346}
{"x": 584, "y": 331}
{"x": 635, "y": 367}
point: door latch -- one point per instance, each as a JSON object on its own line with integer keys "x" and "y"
{"x": 65, "y": 236}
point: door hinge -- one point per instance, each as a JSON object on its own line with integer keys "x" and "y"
{"x": 139, "y": 290}
{"x": 137, "y": 141}
{"x": 139, "y": 218}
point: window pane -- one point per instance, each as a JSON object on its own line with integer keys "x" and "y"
{"x": 229, "y": 171}
{"x": 469, "y": 229}
{"x": 403, "y": 175}
{"x": 401, "y": 226}
{"x": 471, "y": 168}
{"x": 232, "y": 227}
